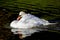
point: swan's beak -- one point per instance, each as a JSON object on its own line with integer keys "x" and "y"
{"x": 19, "y": 17}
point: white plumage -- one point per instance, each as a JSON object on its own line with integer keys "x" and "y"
{"x": 26, "y": 24}
{"x": 28, "y": 21}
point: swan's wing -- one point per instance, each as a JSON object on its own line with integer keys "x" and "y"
{"x": 29, "y": 21}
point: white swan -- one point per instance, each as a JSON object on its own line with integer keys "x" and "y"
{"x": 27, "y": 22}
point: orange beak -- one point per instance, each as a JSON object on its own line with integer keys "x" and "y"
{"x": 18, "y": 18}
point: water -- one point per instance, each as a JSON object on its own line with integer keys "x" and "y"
{"x": 49, "y": 11}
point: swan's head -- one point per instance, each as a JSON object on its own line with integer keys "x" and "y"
{"x": 22, "y": 13}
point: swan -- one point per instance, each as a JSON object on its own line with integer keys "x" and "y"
{"x": 25, "y": 23}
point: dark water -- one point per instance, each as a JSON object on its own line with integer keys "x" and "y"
{"x": 6, "y": 34}
{"x": 43, "y": 35}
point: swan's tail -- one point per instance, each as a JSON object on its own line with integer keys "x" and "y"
{"x": 52, "y": 23}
